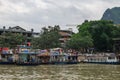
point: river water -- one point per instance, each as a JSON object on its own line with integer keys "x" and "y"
{"x": 60, "y": 72}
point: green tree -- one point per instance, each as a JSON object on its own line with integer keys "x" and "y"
{"x": 11, "y": 40}
{"x": 102, "y": 33}
{"x": 79, "y": 42}
{"x": 49, "y": 38}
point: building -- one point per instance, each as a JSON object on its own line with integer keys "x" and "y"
{"x": 18, "y": 29}
{"x": 116, "y": 46}
{"x": 65, "y": 36}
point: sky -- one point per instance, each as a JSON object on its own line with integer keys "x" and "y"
{"x": 40, "y": 13}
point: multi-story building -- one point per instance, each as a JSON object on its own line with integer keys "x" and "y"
{"x": 65, "y": 34}
{"x": 18, "y": 29}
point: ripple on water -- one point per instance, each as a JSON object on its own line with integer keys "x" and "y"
{"x": 60, "y": 72}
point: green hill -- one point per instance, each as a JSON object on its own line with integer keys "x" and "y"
{"x": 112, "y": 14}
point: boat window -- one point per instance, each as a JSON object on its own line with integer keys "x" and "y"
{"x": 3, "y": 56}
{"x": 111, "y": 57}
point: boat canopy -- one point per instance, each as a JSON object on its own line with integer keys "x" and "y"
{"x": 44, "y": 54}
{"x": 56, "y": 53}
{"x": 28, "y": 53}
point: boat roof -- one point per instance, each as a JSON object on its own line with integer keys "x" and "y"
{"x": 27, "y": 53}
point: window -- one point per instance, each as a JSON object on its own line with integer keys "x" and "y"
{"x": 111, "y": 57}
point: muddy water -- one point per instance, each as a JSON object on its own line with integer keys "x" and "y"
{"x": 60, "y": 72}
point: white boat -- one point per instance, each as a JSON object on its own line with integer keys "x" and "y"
{"x": 108, "y": 58}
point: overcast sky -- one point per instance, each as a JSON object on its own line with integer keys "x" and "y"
{"x": 39, "y": 13}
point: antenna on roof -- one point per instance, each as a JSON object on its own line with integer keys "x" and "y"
{"x": 71, "y": 25}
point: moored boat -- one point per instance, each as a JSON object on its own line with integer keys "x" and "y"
{"x": 43, "y": 57}
{"x": 6, "y": 57}
{"x": 109, "y": 58}
{"x": 73, "y": 59}
{"x": 56, "y": 56}
{"x": 27, "y": 57}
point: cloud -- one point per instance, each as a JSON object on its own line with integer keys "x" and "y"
{"x": 39, "y": 13}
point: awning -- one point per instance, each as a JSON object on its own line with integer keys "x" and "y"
{"x": 44, "y": 54}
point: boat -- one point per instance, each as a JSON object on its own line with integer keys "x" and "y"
{"x": 43, "y": 57}
{"x": 63, "y": 58}
{"x": 27, "y": 57}
{"x": 56, "y": 56}
{"x": 72, "y": 59}
{"x": 6, "y": 57}
{"x": 108, "y": 58}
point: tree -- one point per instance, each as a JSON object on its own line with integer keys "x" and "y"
{"x": 11, "y": 40}
{"x": 49, "y": 38}
{"x": 79, "y": 42}
{"x": 102, "y": 33}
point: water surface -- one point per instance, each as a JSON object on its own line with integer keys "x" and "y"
{"x": 60, "y": 72}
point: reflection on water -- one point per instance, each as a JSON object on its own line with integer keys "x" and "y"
{"x": 60, "y": 72}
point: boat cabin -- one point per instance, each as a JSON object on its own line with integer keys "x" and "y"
{"x": 43, "y": 57}
{"x": 104, "y": 58}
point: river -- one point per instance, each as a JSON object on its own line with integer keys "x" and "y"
{"x": 60, "y": 72}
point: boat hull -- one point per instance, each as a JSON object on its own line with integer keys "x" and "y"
{"x": 7, "y": 63}
{"x": 27, "y": 64}
{"x": 58, "y": 63}
{"x": 62, "y": 63}
{"x": 72, "y": 62}
{"x": 116, "y": 63}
